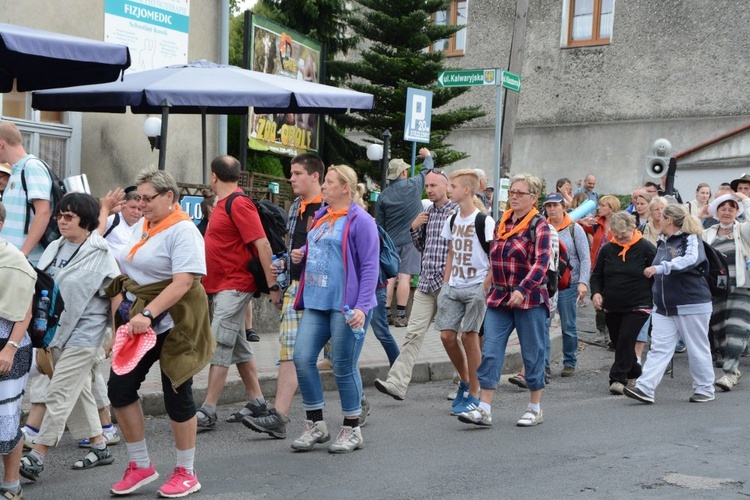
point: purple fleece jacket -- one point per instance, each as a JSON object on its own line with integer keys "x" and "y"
{"x": 361, "y": 248}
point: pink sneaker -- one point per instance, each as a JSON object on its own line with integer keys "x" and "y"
{"x": 134, "y": 478}
{"x": 180, "y": 484}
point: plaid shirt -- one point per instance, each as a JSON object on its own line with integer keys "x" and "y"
{"x": 434, "y": 248}
{"x": 516, "y": 264}
{"x": 291, "y": 227}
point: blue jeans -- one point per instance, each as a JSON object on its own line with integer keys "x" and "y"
{"x": 567, "y": 307}
{"x": 315, "y": 329}
{"x": 499, "y": 323}
{"x": 379, "y": 325}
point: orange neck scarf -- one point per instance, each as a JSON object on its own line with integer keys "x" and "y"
{"x": 303, "y": 204}
{"x": 635, "y": 239}
{"x": 332, "y": 215}
{"x": 520, "y": 226}
{"x": 565, "y": 223}
{"x": 176, "y": 216}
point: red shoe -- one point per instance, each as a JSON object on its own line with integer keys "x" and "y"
{"x": 180, "y": 484}
{"x": 134, "y": 478}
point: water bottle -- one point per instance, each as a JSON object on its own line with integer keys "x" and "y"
{"x": 349, "y": 314}
{"x": 40, "y": 319}
{"x": 747, "y": 264}
{"x": 279, "y": 263}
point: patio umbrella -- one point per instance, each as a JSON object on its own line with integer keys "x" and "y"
{"x": 202, "y": 87}
{"x": 36, "y": 59}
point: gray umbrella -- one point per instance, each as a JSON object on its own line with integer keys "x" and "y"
{"x": 36, "y": 59}
{"x": 202, "y": 87}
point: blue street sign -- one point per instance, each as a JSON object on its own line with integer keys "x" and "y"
{"x": 418, "y": 115}
{"x": 192, "y": 205}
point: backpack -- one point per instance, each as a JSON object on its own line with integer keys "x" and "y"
{"x": 274, "y": 219}
{"x": 45, "y": 282}
{"x": 479, "y": 222}
{"x": 716, "y": 271}
{"x": 115, "y": 222}
{"x": 559, "y": 278}
{"x": 389, "y": 257}
{"x": 52, "y": 232}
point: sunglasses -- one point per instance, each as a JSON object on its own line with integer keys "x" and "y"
{"x": 439, "y": 172}
{"x": 148, "y": 199}
{"x": 515, "y": 193}
{"x": 67, "y": 217}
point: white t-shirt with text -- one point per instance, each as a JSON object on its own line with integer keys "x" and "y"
{"x": 470, "y": 262}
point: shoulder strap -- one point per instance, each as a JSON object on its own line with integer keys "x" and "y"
{"x": 228, "y": 208}
{"x": 479, "y": 223}
{"x": 115, "y": 222}
{"x": 453, "y": 221}
{"x": 572, "y": 229}
{"x": 532, "y": 228}
{"x": 29, "y": 205}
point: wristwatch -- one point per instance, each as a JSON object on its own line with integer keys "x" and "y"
{"x": 274, "y": 288}
{"x": 146, "y": 313}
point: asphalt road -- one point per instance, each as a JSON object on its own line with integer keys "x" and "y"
{"x": 590, "y": 445}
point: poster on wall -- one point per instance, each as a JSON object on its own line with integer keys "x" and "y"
{"x": 276, "y": 50}
{"x": 155, "y": 31}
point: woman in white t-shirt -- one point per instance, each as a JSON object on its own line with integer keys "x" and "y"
{"x": 162, "y": 265}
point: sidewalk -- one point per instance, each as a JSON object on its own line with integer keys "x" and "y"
{"x": 432, "y": 365}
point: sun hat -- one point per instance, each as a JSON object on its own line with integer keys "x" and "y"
{"x": 714, "y": 206}
{"x": 128, "y": 351}
{"x": 735, "y": 183}
{"x": 5, "y": 168}
{"x": 395, "y": 167}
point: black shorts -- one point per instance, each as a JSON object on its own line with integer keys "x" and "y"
{"x": 123, "y": 389}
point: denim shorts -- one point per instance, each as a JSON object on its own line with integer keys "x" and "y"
{"x": 461, "y": 309}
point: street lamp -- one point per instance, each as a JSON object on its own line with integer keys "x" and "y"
{"x": 152, "y": 129}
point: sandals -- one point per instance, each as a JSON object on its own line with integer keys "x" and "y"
{"x": 93, "y": 458}
{"x": 9, "y": 495}
{"x": 255, "y": 412}
{"x": 519, "y": 380}
{"x": 30, "y": 467}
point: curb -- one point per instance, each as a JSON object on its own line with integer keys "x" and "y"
{"x": 424, "y": 371}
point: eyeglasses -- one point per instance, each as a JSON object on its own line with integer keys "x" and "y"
{"x": 67, "y": 217}
{"x": 148, "y": 199}
{"x": 515, "y": 193}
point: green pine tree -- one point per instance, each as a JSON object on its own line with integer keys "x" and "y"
{"x": 396, "y": 57}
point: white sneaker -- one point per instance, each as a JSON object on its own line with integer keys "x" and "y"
{"x": 530, "y": 418}
{"x": 28, "y": 439}
{"x": 617, "y": 388}
{"x": 314, "y": 432}
{"x": 348, "y": 440}
{"x": 728, "y": 381}
{"x": 111, "y": 437}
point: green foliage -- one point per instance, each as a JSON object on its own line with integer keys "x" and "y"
{"x": 264, "y": 163}
{"x": 399, "y": 31}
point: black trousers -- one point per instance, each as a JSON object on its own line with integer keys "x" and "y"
{"x": 624, "y": 328}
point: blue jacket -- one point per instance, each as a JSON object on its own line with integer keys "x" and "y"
{"x": 680, "y": 288}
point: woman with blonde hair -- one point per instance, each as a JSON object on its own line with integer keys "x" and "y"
{"x": 652, "y": 229}
{"x": 682, "y": 307}
{"x": 343, "y": 237}
{"x": 620, "y": 289}
{"x": 641, "y": 204}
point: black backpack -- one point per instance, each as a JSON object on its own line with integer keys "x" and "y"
{"x": 274, "y": 219}
{"x": 479, "y": 222}
{"x": 716, "y": 271}
{"x": 52, "y": 232}
{"x": 45, "y": 282}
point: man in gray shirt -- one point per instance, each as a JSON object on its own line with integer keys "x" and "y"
{"x": 399, "y": 205}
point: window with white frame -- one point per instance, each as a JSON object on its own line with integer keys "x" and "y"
{"x": 587, "y": 22}
{"x": 45, "y": 133}
{"x": 455, "y": 15}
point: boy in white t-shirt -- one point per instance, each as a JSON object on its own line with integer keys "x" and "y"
{"x": 461, "y": 302}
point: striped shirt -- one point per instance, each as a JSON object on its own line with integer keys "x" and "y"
{"x": 433, "y": 246}
{"x": 39, "y": 184}
{"x": 517, "y": 264}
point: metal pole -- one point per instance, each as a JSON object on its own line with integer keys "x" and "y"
{"x": 498, "y": 140}
{"x": 223, "y": 59}
{"x": 163, "y": 137}
{"x": 384, "y": 165}
{"x": 413, "y": 157}
{"x": 204, "y": 165}
{"x": 246, "y": 65}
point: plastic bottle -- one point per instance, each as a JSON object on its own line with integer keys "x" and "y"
{"x": 279, "y": 263}
{"x": 40, "y": 319}
{"x": 747, "y": 264}
{"x": 349, "y": 314}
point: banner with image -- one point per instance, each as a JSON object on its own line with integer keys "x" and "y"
{"x": 277, "y": 50}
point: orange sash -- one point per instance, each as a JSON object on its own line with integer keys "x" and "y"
{"x": 332, "y": 215}
{"x": 565, "y": 223}
{"x": 520, "y": 227}
{"x": 635, "y": 239}
{"x": 178, "y": 215}
{"x": 303, "y": 204}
